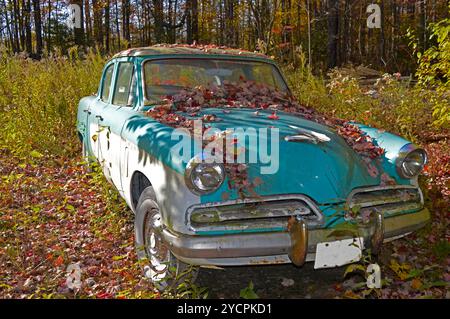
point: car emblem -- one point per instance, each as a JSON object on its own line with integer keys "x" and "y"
{"x": 307, "y": 136}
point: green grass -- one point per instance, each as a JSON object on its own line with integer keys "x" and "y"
{"x": 38, "y": 102}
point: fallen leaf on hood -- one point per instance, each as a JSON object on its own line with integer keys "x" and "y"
{"x": 273, "y": 116}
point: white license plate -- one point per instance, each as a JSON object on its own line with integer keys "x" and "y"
{"x": 338, "y": 253}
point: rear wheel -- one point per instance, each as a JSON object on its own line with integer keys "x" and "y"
{"x": 161, "y": 267}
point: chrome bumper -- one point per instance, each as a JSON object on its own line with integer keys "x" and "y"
{"x": 281, "y": 247}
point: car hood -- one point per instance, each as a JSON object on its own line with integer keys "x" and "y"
{"x": 326, "y": 171}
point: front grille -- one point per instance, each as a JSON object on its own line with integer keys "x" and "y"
{"x": 253, "y": 214}
{"x": 390, "y": 201}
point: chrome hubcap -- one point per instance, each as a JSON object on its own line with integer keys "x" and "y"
{"x": 157, "y": 252}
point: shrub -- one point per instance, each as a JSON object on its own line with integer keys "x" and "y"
{"x": 434, "y": 71}
{"x": 388, "y": 104}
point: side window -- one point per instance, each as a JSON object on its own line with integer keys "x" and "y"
{"x": 123, "y": 83}
{"x": 106, "y": 86}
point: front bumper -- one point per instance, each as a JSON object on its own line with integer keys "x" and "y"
{"x": 276, "y": 247}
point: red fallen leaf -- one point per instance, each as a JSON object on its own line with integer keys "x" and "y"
{"x": 373, "y": 171}
{"x": 257, "y": 181}
{"x": 338, "y": 287}
{"x": 103, "y": 295}
{"x": 225, "y": 196}
{"x": 274, "y": 116}
{"x": 58, "y": 261}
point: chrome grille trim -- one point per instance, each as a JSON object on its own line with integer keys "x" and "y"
{"x": 247, "y": 222}
{"x": 390, "y": 204}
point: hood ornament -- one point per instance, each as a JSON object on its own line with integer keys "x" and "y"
{"x": 307, "y": 136}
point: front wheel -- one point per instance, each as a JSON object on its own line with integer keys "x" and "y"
{"x": 161, "y": 267}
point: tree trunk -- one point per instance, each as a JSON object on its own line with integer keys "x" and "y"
{"x": 107, "y": 28}
{"x": 8, "y": 29}
{"x": 15, "y": 19}
{"x": 126, "y": 20}
{"x": 333, "y": 29}
{"x": 117, "y": 23}
{"x": 87, "y": 10}
{"x": 395, "y": 18}
{"x": 382, "y": 37}
{"x": 26, "y": 9}
{"x": 159, "y": 18}
{"x": 345, "y": 44}
{"x": 229, "y": 23}
{"x": 423, "y": 26}
{"x": 98, "y": 25}
{"x": 78, "y": 33}
{"x": 194, "y": 19}
{"x": 38, "y": 26}
{"x": 49, "y": 27}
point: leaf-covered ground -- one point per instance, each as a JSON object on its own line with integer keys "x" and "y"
{"x": 54, "y": 214}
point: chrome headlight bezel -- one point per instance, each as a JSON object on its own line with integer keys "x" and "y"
{"x": 193, "y": 167}
{"x": 405, "y": 154}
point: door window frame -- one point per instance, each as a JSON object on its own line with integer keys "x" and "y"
{"x": 116, "y": 75}
{"x": 113, "y": 81}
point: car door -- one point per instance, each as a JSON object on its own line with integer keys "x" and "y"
{"x": 95, "y": 127}
{"x": 113, "y": 117}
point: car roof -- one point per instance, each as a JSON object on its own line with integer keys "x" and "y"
{"x": 188, "y": 49}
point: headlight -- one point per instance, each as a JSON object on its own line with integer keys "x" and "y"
{"x": 203, "y": 178}
{"x": 410, "y": 161}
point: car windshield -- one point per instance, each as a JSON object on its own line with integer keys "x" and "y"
{"x": 169, "y": 77}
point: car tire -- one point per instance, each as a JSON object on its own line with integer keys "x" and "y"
{"x": 160, "y": 266}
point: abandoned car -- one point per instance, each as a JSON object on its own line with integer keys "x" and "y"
{"x": 323, "y": 191}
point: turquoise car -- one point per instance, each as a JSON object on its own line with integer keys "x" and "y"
{"x": 314, "y": 200}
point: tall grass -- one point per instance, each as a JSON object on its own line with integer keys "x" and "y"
{"x": 388, "y": 104}
{"x": 38, "y": 102}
